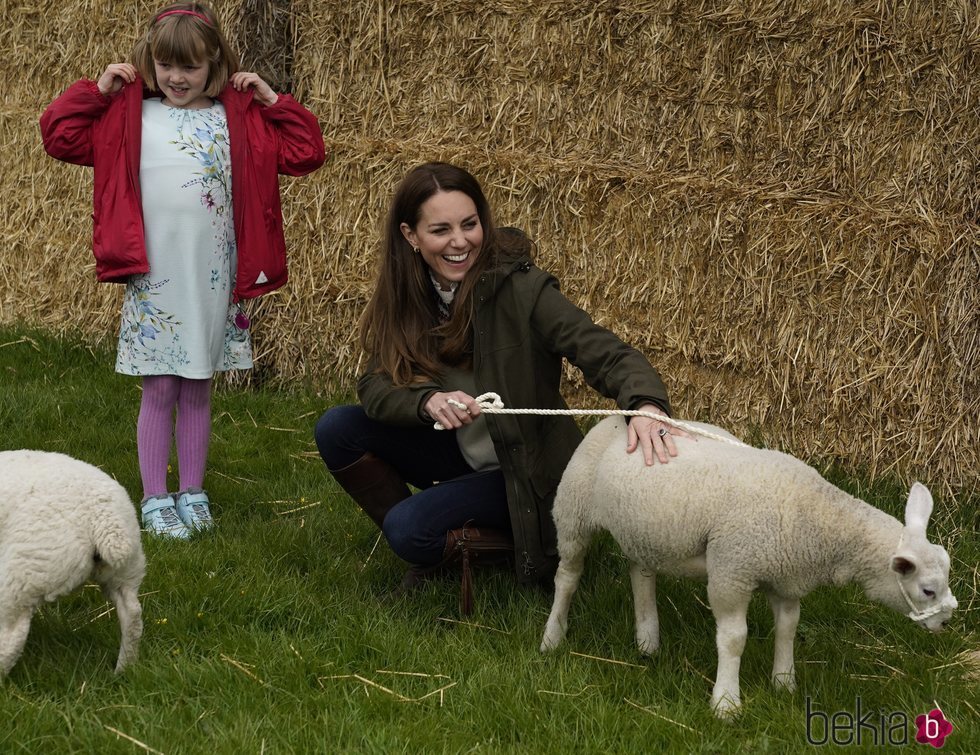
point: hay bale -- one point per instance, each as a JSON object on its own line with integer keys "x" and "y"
{"x": 777, "y": 202}
{"x": 264, "y": 30}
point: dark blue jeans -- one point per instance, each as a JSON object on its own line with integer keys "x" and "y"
{"x": 450, "y": 492}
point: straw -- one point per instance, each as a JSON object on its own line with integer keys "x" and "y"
{"x": 777, "y": 203}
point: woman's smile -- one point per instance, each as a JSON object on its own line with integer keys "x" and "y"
{"x": 448, "y": 235}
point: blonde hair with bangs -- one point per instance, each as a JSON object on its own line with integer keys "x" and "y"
{"x": 183, "y": 39}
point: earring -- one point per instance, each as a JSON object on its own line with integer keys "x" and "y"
{"x": 416, "y": 250}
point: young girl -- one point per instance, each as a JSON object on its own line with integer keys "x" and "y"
{"x": 186, "y": 150}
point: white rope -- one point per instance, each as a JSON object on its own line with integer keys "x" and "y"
{"x": 915, "y": 614}
{"x": 491, "y": 403}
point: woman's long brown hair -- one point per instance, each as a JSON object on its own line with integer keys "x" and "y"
{"x": 400, "y": 328}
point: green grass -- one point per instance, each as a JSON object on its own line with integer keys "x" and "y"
{"x": 256, "y": 633}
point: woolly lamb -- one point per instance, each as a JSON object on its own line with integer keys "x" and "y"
{"x": 744, "y": 518}
{"x": 63, "y": 521}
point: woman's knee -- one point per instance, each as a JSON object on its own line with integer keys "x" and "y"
{"x": 334, "y": 435}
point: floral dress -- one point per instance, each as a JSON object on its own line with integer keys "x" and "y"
{"x": 179, "y": 318}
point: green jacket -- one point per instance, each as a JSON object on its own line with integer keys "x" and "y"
{"x": 523, "y": 326}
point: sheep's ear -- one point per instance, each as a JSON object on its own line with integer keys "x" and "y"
{"x": 918, "y": 509}
{"x": 903, "y": 565}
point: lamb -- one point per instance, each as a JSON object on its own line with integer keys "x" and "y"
{"x": 63, "y": 521}
{"x": 743, "y": 518}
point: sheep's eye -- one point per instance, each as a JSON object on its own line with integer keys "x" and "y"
{"x": 929, "y": 593}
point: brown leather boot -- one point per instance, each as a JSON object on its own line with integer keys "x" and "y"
{"x": 467, "y": 546}
{"x": 374, "y": 485}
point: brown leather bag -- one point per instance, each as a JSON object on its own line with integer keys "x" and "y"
{"x": 469, "y": 547}
{"x": 477, "y": 547}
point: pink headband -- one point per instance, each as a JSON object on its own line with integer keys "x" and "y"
{"x": 184, "y": 13}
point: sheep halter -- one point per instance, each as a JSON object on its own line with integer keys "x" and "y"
{"x": 915, "y": 614}
{"x": 491, "y": 403}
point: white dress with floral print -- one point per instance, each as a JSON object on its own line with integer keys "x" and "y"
{"x": 179, "y": 319}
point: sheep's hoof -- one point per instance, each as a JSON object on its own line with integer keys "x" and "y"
{"x": 727, "y": 709}
{"x": 124, "y": 661}
{"x": 648, "y": 646}
{"x": 554, "y": 633}
{"x": 549, "y": 643}
{"x": 784, "y": 681}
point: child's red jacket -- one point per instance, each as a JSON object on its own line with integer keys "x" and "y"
{"x": 85, "y": 127}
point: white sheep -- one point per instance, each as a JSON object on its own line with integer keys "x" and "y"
{"x": 63, "y": 521}
{"x": 745, "y": 519}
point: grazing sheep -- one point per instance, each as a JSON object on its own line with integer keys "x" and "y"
{"x": 745, "y": 519}
{"x": 63, "y": 521}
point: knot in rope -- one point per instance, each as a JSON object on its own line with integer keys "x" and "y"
{"x": 488, "y": 402}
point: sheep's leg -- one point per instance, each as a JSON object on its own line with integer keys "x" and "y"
{"x": 786, "y": 614}
{"x": 569, "y": 572}
{"x": 126, "y": 599}
{"x": 13, "y": 636}
{"x": 730, "y": 606}
{"x": 645, "y": 608}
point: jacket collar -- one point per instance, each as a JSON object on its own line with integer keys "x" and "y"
{"x": 230, "y": 97}
{"x": 493, "y": 279}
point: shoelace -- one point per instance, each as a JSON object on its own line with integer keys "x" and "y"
{"x": 201, "y": 512}
{"x": 169, "y": 517}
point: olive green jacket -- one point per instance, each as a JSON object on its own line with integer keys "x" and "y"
{"x": 523, "y": 326}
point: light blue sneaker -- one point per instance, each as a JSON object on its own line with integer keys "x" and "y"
{"x": 160, "y": 517}
{"x": 193, "y": 508}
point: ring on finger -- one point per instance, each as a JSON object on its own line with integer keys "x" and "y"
{"x": 663, "y": 431}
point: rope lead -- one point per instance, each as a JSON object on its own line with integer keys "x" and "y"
{"x": 491, "y": 403}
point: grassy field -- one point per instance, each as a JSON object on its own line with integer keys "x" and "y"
{"x": 277, "y": 632}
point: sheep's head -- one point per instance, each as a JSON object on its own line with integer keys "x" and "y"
{"x": 922, "y": 568}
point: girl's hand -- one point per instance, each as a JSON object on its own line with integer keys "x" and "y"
{"x": 451, "y": 417}
{"x": 113, "y": 78}
{"x": 647, "y": 433}
{"x": 263, "y": 92}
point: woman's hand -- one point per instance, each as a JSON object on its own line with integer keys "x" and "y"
{"x": 263, "y": 92}
{"x": 656, "y": 438}
{"x": 451, "y": 417}
{"x": 114, "y": 76}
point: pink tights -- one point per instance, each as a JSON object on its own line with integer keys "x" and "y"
{"x": 155, "y": 430}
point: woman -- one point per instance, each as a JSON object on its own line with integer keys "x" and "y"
{"x": 459, "y": 309}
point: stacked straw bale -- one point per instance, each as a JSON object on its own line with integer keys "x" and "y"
{"x": 264, "y": 33}
{"x": 777, "y": 202}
